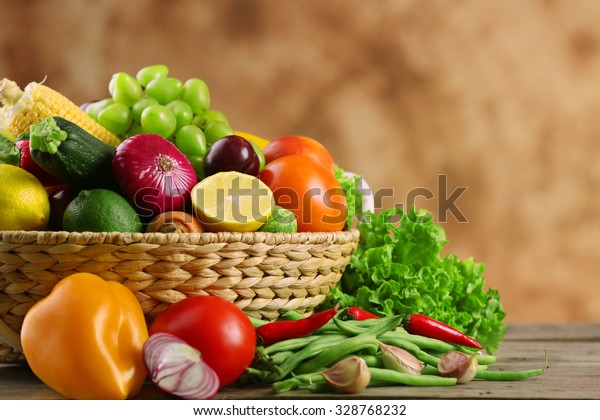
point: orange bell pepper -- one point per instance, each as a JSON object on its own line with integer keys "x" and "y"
{"x": 84, "y": 340}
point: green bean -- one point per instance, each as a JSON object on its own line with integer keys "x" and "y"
{"x": 430, "y": 370}
{"x": 424, "y": 342}
{"x": 366, "y": 340}
{"x": 296, "y": 382}
{"x": 372, "y": 360}
{"x": 290, "y": 344}
{"x": 331, "y": 326}
{"x": 503, "y": 375}
{"x": 411, "y": 348}
{"x": 387, "y": 377}
{"x": 335, "y": 353}
{"x": 257, "y": 322}
{"x": 486, "y": 359}
{"x": 280, "y": 357}
{"x": 482, "y": 359}
{"x": 260, "y": 375}
{"x": 381, "y": 327}
{"x": 292, "y": 315}
{"x": 312, "y": 349}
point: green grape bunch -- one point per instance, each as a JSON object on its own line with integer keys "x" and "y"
{"x": 152, "y": 102}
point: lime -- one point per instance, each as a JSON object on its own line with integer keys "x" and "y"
{"x": 100, "y": 211}
{"x": 281, "y": 220}
{"x": 24, "y": 203}
{"x": 232, "y": 201}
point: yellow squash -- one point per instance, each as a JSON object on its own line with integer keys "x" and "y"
{"x": 84, "y": 340}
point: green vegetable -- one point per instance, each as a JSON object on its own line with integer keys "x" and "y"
{"x": 399, "y": 268}
{"x": 353, "y": 195}
{"x": 7, "y": 152}
{"x": 300, "y": 363}
{"x": 71, "y": 154}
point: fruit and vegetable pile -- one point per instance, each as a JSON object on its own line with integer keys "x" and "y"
{"x": 155, "y": 157}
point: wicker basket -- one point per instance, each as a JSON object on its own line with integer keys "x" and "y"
{"x": 265, "y": 274}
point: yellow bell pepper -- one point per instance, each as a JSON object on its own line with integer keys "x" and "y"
{"x": 84, "y": 340}
{"x": 259, "y": 141}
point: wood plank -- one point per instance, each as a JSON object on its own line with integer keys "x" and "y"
{"x": 573, "y": 373}
{"x": 548, "y": 332}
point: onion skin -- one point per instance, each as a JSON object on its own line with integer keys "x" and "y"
{"x": 178, "y": 369}
{"x": 154, "y": 176}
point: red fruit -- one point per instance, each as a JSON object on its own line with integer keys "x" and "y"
{"x": 59, "y": 200}
{"x": 299, "y": 145}
{"x": 231, "y": 153}
{"x": 27, "y": 163}
{"x": 220, "y": 330}
{"x": 153, "y": 174}
{"x": 309, "y": 191}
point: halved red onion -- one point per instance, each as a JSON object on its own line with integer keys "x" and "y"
{"x": 178, "y": 369}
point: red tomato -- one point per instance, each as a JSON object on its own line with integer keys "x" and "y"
{"x": 299, "y": 145}
{"x": 216, "y": 327}
{"x": 308, "y": 190}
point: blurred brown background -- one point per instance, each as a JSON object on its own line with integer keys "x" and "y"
{"x": 502, "y": 97}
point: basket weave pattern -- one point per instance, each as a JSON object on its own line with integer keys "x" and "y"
{"x": 263, "y": 273}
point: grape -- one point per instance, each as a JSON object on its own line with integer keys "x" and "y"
{"x": 159, "y": 120}
{"x": 94, "y": 108}
{"x": 209, "y": 116}
{"x": 190, "y": 140}
{"x": 164, "y": 90}
{"x": 149, "y": 73}
{"x": 183, "y": 112}
{"x": 139, "y": 106}
{"x": 216, "y": 130}
{"x": 125, "y": 89}
{"x": 231, "y": 153}
{"x": 195, "y": 93}
{"x": 116, "y": 118}
{"x": 198, "y": 165}
{"x": 136, "y": 128}
{"x": 259, "y": 153}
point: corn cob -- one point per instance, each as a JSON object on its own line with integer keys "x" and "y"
{"x": 38, "y": 102}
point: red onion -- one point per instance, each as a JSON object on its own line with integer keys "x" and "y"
{"x": 153, "y": 174}
{"x": 178, "y": 369}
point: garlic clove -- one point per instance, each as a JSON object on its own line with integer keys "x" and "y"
{"x": 461, "y": 366}
{"x": 350, "y": 375}
{"x": 395, "y": 358}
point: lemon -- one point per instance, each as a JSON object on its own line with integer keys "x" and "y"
{"x": 24, "y": 203}
{"x": 232, "y": 202}
{"x": 100, "y": 210}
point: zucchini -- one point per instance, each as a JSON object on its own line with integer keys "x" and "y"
{"x": 71, "y": 154}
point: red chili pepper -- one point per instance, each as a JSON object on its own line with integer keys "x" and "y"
{"x": 27, "y": 163}
{"x": 283, "y": 330}
{"x": 357, "y": 314}
{"x": 429, "y": 327}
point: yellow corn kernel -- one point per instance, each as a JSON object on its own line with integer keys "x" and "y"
{"x": 38, "y": 102}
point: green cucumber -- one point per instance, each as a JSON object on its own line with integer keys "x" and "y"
{"x": 71, "y": 154}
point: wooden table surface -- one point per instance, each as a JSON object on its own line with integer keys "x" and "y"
{"x": 573, "y": 373}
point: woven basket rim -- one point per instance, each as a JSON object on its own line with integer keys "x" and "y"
{"x": 157, "y": 238}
